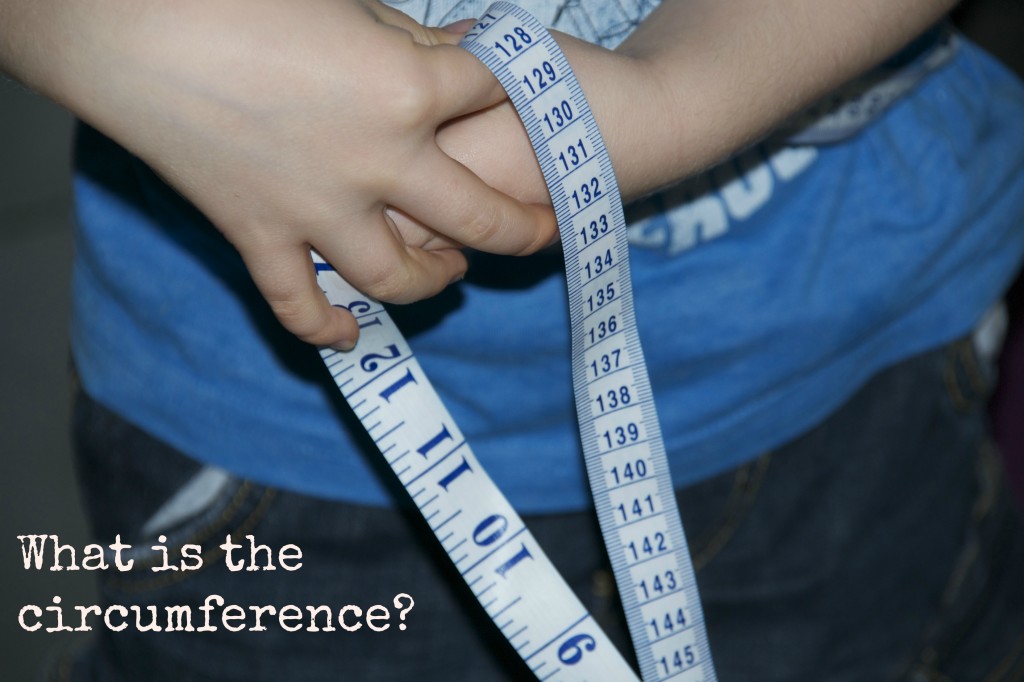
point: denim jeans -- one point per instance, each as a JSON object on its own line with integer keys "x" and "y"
{"x": 881, "y": 545}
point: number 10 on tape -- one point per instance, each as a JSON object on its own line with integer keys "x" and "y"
{"x": 482, "y": 534}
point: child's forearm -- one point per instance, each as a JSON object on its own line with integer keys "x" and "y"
{"x": 716, "y": 76}
{"x": 34, "y": 42}
{"x": 699, "y": 80}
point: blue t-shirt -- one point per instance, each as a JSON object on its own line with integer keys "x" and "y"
{"x": 767, "y": 291}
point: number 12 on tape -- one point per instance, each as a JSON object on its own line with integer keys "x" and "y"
{"x": 482, "y": 534}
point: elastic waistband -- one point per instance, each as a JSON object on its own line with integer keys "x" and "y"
{"x": 852, "y": 107}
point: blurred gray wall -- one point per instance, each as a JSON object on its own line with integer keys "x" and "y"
{"x": 37, "y": 491}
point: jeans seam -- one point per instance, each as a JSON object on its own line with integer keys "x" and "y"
{"x": 747, "y": 484}
{"x": 64, "y": 666}
{"x": 956, "y": 395}
{"x": 966, "y": 383}
{"x": 61, "y": 665}
{"x": 1005, "y": 668}
{"x": 975, "y": 376}
{"x": 938, "y": 646}
{"x": 250, "y": 522}
{"x": 204, "y": 533}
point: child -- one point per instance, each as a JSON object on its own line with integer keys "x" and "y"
{"x": 805, "y": 297}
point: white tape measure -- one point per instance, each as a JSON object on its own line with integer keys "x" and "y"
{"x": 625, "y": 457}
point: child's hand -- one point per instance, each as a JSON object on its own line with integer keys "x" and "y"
{"x": 308, "y": 124}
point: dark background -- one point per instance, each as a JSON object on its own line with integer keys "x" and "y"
{"x": 37, "y": 491}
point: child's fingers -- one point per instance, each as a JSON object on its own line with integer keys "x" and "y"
{"x": 380, "y": 264}
{"x": 464, "y": 83}
{"x": 455, "y": 202}
{"x": 416, "y": 234}
{"x": 285, "y": 276}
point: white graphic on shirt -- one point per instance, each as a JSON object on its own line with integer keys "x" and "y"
{"x": 704, "y": 207}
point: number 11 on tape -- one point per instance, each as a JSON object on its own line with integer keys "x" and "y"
{"x": 482, "y": 534}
